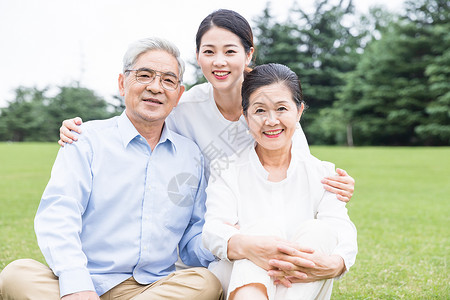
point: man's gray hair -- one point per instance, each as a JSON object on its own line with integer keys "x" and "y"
{"x": 152, "y": 43}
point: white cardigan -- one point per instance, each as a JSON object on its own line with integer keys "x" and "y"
{"x": 241, "y": 194}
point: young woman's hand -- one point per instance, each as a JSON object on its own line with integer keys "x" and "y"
{"x": 65, "y": 131}
{"x": 343, "y": 185}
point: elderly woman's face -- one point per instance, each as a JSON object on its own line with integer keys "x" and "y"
{"x": 272, "y": 116}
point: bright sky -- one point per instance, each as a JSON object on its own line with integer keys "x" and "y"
{"x": 56, "y": 42}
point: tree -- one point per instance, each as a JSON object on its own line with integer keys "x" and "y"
{"x": 320, "y": 48}
{"x": 398, "y": 94}
{"x": 436, "y": 128}
{"x": 24, "y": 115}
{"x": 198, "y": 75}
{"x": 34, "y": 116}
{"x": 74, "y": 101}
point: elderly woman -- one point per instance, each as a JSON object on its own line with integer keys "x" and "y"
{"x": 269, "y": 193}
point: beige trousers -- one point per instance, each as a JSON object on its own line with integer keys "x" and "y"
{"x": 314, "y": 234}
{"x": 29, "y": 279}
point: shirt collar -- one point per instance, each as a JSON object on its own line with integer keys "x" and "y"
{"x": 167, "y": 136}
{"x": 254, "y": 159}
{"x": 128, "y": 132}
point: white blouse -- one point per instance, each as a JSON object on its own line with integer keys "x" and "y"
{"x": 242, "y": 194}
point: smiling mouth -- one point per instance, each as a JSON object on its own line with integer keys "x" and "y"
{"x": 273, "y": 133}
{"x": 221, "y": 73}
{"x": 156, "y": 101}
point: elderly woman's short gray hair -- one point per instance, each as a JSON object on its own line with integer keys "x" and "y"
{"x": 152, "y": 43}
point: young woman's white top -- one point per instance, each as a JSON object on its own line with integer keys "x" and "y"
{"x": 198, "y": 118}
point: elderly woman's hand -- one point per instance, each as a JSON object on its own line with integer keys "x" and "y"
{"x": 291, "y": 268}
{"x": 262, "y": 249}
{"x": 343, "y": 185}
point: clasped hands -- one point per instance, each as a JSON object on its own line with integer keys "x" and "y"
{"x": 285, "y": 261}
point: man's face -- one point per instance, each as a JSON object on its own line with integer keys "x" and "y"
{"x": 150, "y": 104}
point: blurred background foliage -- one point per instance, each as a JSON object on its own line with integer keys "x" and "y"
{"x": 375, "y": 79}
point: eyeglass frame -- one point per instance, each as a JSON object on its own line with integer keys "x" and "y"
{"x": 178, "y": 81}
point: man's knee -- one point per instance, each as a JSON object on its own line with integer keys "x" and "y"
{"x": 18, "y": 279}
{"x": 13, "y": 278}
{"x": 208, "y": 285}
{"x": 13, "y": 275}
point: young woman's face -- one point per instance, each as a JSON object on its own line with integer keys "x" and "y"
{"x": 222, "y": 58}
{"x": 272, "y": 116}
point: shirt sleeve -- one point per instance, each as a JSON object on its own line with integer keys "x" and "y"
{"x": 58, "y": 221}
{"x": 192, "y": 251}
{"x": 334, "y": 212}
{"x": 221, "y": 210}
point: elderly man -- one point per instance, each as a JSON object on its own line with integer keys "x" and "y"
{"x": 122, "y": 199}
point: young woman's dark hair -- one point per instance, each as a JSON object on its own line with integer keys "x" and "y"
{"x": 229, "y": 20}
{"x": 268, "y": 74}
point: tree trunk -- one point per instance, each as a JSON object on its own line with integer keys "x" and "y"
{"x": 349, "y": 135}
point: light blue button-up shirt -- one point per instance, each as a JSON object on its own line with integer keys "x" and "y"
{"x": 113, "y": 208}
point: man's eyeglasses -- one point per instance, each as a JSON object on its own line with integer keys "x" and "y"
{"x": 168, "y": 81}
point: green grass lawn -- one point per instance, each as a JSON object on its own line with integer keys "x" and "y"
{"x": 401, "y": 209}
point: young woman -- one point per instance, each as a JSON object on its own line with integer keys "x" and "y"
{"x": 211, "y": 113}
{"x": 271, "y": 189}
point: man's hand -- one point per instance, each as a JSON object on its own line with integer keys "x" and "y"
{"x": 343, "y": 185}
{"x": 294, "y": 269}
{"x": 85, "y": 295}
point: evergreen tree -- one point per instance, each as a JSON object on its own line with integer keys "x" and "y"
{"x": 23, "y": 116}
{"x": 33, "y": 116}
{"x": 398, "y": 94}
{"x": 321, "y": 49}
{"x": 435, "y": 130}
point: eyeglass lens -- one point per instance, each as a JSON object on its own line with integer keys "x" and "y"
{"x": 146, "y": 76}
